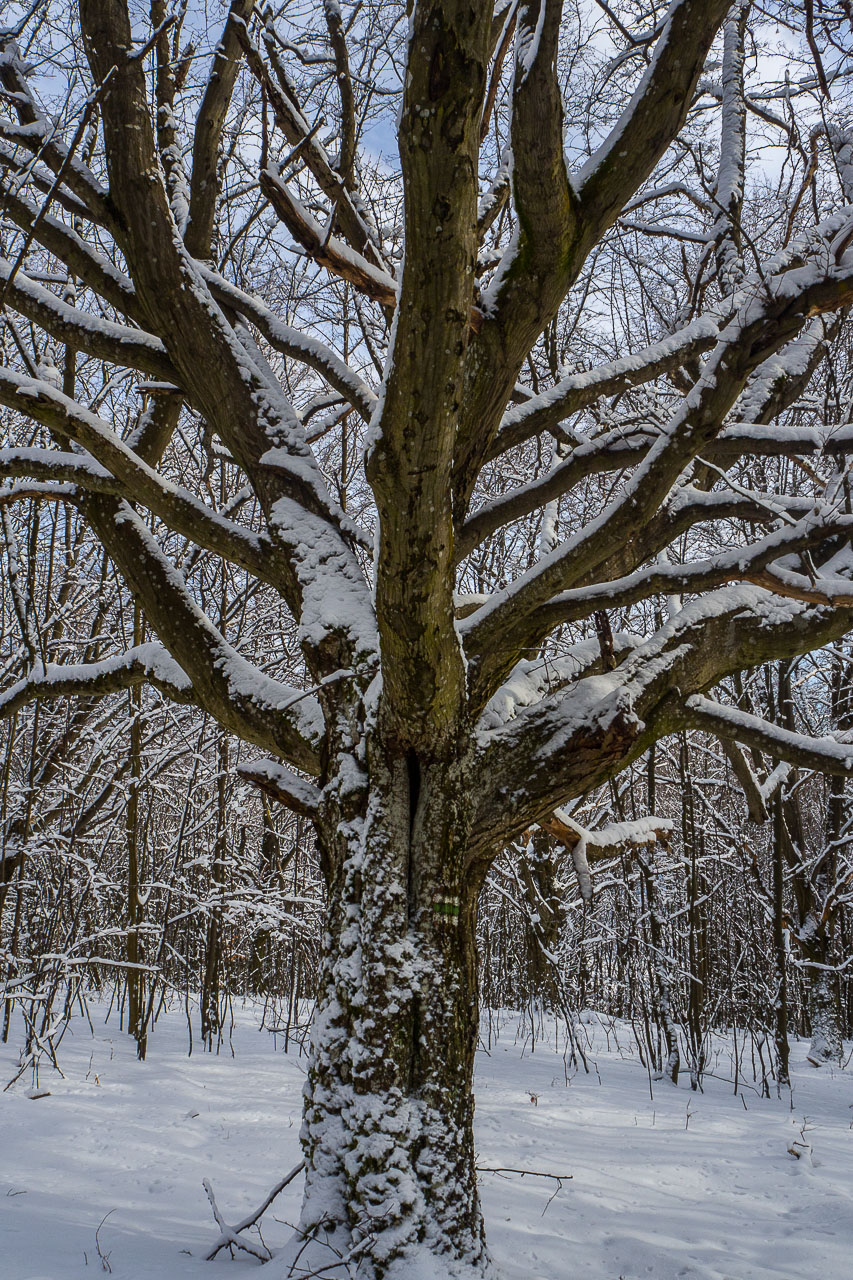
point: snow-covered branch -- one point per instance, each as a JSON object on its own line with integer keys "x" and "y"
{"x": 279, "y": 719}
{"x": 587, "y": 846}
{"x": 754, "y": 562}
{"x": 133, "y": 478}
{"x": 544, "y": 412}
{"x": 569, "y": 740}
{"x": 145, "y": 664}
{"x": 765, "y": 322}
{"x": 356, "y": 227}
{"x": 283, "y": 785}
{"x": 306, "y": 348}
{"x": 620, "y": 449}
{"x": 116, "y": 343}
{"x": 95, "y": 270}
{"x": 656, "y": 111}
{"x": 826, "y": 755}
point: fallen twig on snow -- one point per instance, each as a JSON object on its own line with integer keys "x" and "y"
{"x": 230, "y": 1236}
{"x": 559, "y": 1178}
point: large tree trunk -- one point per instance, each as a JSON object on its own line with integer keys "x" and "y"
{"x": 389, "y": 1104}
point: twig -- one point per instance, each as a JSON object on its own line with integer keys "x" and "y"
{"x": 105, "y": 1257}
{"x": 559, "y": 1178}
{"x": 229, "y": 1235}
{"x": 90, "y": 105}
{"x": 345, "y": 1259}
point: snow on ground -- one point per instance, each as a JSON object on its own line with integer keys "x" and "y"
{"x": 681, "y": 1184}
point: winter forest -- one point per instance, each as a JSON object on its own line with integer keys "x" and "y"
{"x": 426, "y": 639}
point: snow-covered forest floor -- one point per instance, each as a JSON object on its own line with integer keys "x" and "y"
{"x": 678, "y": 1184}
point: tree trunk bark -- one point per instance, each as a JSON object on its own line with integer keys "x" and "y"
{"x": 818, "y": 929}
{"x": 780, "y": 949}
{"x": 135, "y": 984}
{"x": 826, "y": 1045}
{"x": 546, "y": 917}
{"x": 211, "y": 1014}
{"x": 388, "y": 1119}
{"x": 662, "y": 966}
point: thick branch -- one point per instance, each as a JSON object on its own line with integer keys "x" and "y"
{"x": 283, "y": 785}
{"x": 354, "y": 224}
{"x": 560, "y": 223}
{"x": 145, "y": 664}
{"x": 327, "y": 250}
{"x": 547, "y": 410}
{"x": 751, "y": 563}
{"x": 98, "y": 337}
{"x": 38, "y": 135}
{"x": 282, "y": 337}
{"x": 97, "y": 272}
{"x": 826, "y": 755}
{"x": 135, "y": 480}
{"x": 210, "y": 122}
{"x": 616, "y": 451}
{"x": 410, "y": 464}
{"x": 542, "y": 260}
{"x": 576, "y": 739}
{"x": 221, "y": 368}
{"x": 763, "y": 325}
{"x": 280, "y": 720}
{"x": 654, "y": 115}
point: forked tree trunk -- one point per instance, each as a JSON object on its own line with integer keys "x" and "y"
{"x": 387, "y": 1128}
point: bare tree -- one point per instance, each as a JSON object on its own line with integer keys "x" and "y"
{"x": 427, "y": 728}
